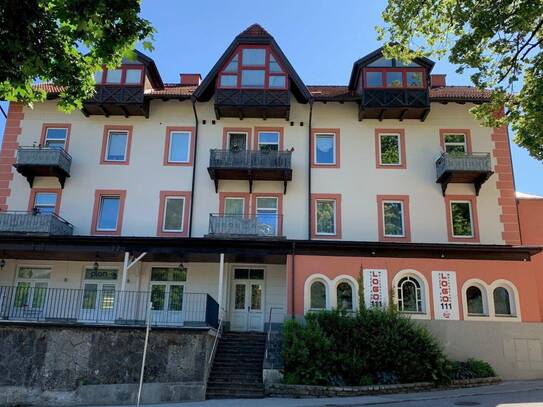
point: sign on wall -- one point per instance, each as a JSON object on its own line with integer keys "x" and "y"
{"x": 445, "y": 295}
{"x": 375, "y": 288}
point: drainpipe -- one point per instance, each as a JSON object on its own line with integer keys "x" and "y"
{"x": 309, "y": 170}
{"x": 292, "y": 279}
{"x": 193, "y": 100}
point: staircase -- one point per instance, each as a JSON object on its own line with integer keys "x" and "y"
{"x": 237, "y": 369}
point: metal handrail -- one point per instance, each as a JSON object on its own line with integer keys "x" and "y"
{"x": 40, "y": 147}
{"x": 269, "y": 331}
{"x": 217, "y": 336}
{"x": 38, "y": 213}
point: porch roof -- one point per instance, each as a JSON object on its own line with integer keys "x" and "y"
{"x": 203, "y": 249}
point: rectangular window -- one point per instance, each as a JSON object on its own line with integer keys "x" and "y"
{"x": 325, "y": 216}
{"x": 45, "y": 202}
{"x": 389, "y": 149}
{"x": 393, "y": 219}
{"x": 234, "y": 206}
{"x": 179, "y": 147}
{"x": 455, "y": 144}
{"x": 108, "y": 213}
{"x": 237, "y": 141}
{"x": 229, "y": 81}
{"x": 254, "y": 56}
{"x": 267, "y": 215}
{"x": 114, "y": 76}
{"x": 461, "y": 219}
{"x": 394, "y": 79}
{"x": 414, "y": 79}
{"x": 325, "y": 149}
{"x": 174, "y": 214}
{"x": 374, "y": 79}
{"x": 133, "y": 76}
{"x": 233, "y": 65}
{"x": 277, "y": 81}
{"x": 274, "y": 65}
{"x": 117, "y": 142}
{"x": 253, "y": 78}
{"x": 55, "y": 137}
{"x": 268, "y": 140}
{"x": 98, "y": 76}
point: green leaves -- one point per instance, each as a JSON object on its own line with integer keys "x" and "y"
{"x": 501, "y": 40}
{"x": 64, "y": 42}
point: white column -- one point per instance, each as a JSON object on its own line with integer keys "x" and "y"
{"x": 125, "y": 270}
{"x": 221, "y": 283}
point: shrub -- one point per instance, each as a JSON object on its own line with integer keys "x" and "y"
{"x": 372, "y": 346}
{"x": 470, "y": 369}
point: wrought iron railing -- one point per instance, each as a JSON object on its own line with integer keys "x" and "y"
{"x": 258, "y": 225}
{"x": 35, "y": 302}
{"x": 250, "y": 159}
{"x": 468, "y": 162}
{"x": 34, "y": 222}
{"x": 44, "y": 156}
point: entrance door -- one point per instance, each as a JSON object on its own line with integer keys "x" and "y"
{"x": 248, "y": 304}
{"x": 30, "y": 295}
{"x": 167, "y": 288}
{"x": 99, "y": 297}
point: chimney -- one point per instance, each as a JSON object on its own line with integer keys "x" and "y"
{"x": 190, "y": 79}
{"x": 438, "y": 80}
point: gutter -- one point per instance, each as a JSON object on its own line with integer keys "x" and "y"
{"x": 309, "y": 169}
{"x": 192, "y": 191}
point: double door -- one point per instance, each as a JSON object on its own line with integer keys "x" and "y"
{"x": 248, "y": 300}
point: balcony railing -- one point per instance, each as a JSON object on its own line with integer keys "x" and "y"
{"x": 27, "y": 302}
{"x": 259, "y": 225}
{"x": 33, "y": 222}
{"x": 250, "y": 159}
{"x": 43, "y": 161}
{"x": 473, "y": 168}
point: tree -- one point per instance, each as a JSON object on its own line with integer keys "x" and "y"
{"x": 64, "y": 42}
{"x": 501, "y": 40}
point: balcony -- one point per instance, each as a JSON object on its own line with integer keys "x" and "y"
{"x": 106, "y": 306}
{"x": 34, "y": 223}
{"x": 116, "y": 100}
{"x": 470, "y": 168}
{"x": 262, "y": 165}
{"x": 394, "y": 104}
{"x": 34, "y": 162}
{"x": 265, "y": 225}
{"x": 259, "y": 103}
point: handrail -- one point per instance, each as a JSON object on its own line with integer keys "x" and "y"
{"x": 217, "y": 336}
{"x": 269, "y": 331}
{"x": 37, "y": 213}
{"x": 40, "y": 147}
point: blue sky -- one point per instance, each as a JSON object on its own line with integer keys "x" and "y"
{"x": 321, "y": 38}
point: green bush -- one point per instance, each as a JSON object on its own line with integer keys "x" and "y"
{"x": 470, "y": 369}
{"x": 372, "y": 346}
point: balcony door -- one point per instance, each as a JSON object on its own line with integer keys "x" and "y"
{"x": 30, "y": 295}
{"x": 267, "y": 216}
{"x": 247, "y": 300}
{"x": 167, "y": 288}
{"x": 99, "y": 300}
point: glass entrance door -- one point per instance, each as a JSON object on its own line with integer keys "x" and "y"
{"x": 99, "y": 300}
{"x": 247, "y": 312}
{"x": 167, "y": 288}
{"x": 30, "y": 296}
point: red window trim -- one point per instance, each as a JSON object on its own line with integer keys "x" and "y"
{"x": 45, "y": 126}
{"x": 34, "y": 191}
{"x": 475, "y": 220}
{"x": 98, "y": 194}
{"x": 314, "y": 199}
{"x": 162, "y": 208}
{"x": 403, "y": 155}
{"x": 279, "y": 130}
{"x": 171, "y": 129}
{"x": 446, "y": 132}
{"x": 404, "y": 199}
{"x": 404, "y": 77}
{"x": 103, "y": 153}
{"x": 123, "y": 69}
{"x": 246, "y": 196}
{"x": 279, "y": 197}
{"x": 318, "y": 131}
{"x": 265, "y": 68}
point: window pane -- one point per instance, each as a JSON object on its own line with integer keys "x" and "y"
{"x": 274, "y": 66}
{"x": 89, "y": 296}
{"x": 277, "y": 81}
{"x": 44, "y": 202}
{"x": 168, "y": 274}
{"x": 394, "y": 79}
{"x": 22, "y": 294}
{"x": 233, "y": 206}
{"x": 107, "y": 298}
{"x": 502, "y": 301}
{"x": 254, "y": 56}
{"x": 256, "y": 297}
{"x": 239, "y": 299}
{"x": 158, "y": 296}
{"x": 55, "y": 138}
{"x": 38, "y": 299}
{"x": 455, "y": 149}
{"x": 268, "y": 141}
{"x": 414, "y": 79}
{"x": 256, "y": 274}
{"x": 252, "y": 78}
{"x": 113, "y": 76}
{"x": 461, "y": 219}
{"x": 374, "y": 79}
{"x": 133, "y": 76}
{"x": 409, "y": 295}
{"x": 325, "y": 149}
{"x": 474, "y": 299}
{"x": 393, "y": 218}
{"x": 344, "y": 296}
{"x": 318, "y": 295}
{"x": 109, "y": 211}
{"x": 455, "y": 144}
{"x": 176, "y": 298}
{"x": 390, "y": 149}
{"x": 37, "y": 273}
{"x": 326, "y": 214}
{"x": 179, "y": 147}
{"x": 241, "y": 274}
{"x": 233, "y": 65}
{"x": 98, "y": 77}
{"x": 173, "y": 214}
{"x": 116, "y": 148}
{"x": 269, "y": 203}
{"x": 237, "y": 141}
{"x": 382, "y": 62}
{"x": 229, "y": 81}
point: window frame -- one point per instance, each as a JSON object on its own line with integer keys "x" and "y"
{"x": 337, "y": 153}
{"x": 446, "y": 132}
{"x": 168, "y": 145}
{"x": 248, "y": 131}
{"x": 337, "y": 216}
{"x": 161, "y": 222}
{"x": 280, "y": 136}
{"x": 245, "y": 196}
{"x": 403, "y": 70}
{"x": 47, "y": 126}
{"x": 123, "y": 68}
{"x": 98, "y": 196}
{"x": 484, "y": 300}
{"x": 404, "y": 200}
{"x": 401, "y": 145}
{"x": 472, "y": 200}
{"x": 105, "y": 144}
{"x": 35, "y": 191}
{"x": 279, "y": 212}
{"x": 419, "y": 294}
{"x": 424, "y": 289}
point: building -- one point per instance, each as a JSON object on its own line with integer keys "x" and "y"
{"x": 254, "y": 193}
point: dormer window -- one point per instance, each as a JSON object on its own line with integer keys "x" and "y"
{"x": 131, "y": 75}
{"x": 253, "y": 68}
{"x": 392, "y": 74}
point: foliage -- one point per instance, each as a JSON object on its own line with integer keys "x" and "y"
{"x": 334, "y": 347}
{"x": 390, "y": 149}
{"x": 325, "y": 216}
{"x": 64, "y": 42}
{"x": 461, "y": 219}
{"x": 499, "y": 41}
{"x": 470, "y": 369}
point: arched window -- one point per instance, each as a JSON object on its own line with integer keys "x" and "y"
{"x": 409, "y": 295}
{"x": 318, "y": 295}
{"x": 344, "y": 292}
{"x": 502, "y": 301}
{"x": 475, "y": 301}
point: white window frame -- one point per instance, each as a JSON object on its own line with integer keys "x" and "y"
{"x": 106, "y": 153}
{"x": 464, "y": 144}
{"x": 316, "y": 161}
{"x": 228, "y": 134}
{"x": 228, "y": 198}
{"x": 54, "y": 206}
{"x": 472, "y": 235}
{"x": 384, "y": 218}
{"x": 173, "y": 197}
{"x": 56, "y": 128}
{"x": 98, "y": 228}
{"x": 271, "y": 131}
{"x": 399, "y": 138}
{"x": 170, "y": 144}
{"x": 317, "y": 214}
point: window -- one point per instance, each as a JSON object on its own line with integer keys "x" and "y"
{"x": 502, "y": 302}
{"x": 130, "y": 74}
{"x": 389, "y": 149}
{"x": 133, "y": 76}
{"x": 476, "y": 303}
{"x": 461, "y": 219}
{"x": 31, "y": 290}
{"x": 326, "y": 216}
{"x": 325, "y": 149}
{"x": 55, "y": 138}
{"x": 99, "y": 295}
{"x": 399, "y": 77}
{"x": 318, "y": 295}
{"x": 393, "y": 222}
{"x": 167, "y": 288}
{"x": 108, "y": 212}
{"x": 234, "y": 206}
{"x": 393, "y": 218}
{"x": 414, "y": 79}
{"x": 114, "y": 76}
{"x": 410, "y": 295}
{"x": 344, "y": 292}
{"x": 455, "y": 144}
{"x": 394, "y": 79}
{"x": 267, "y": 216}
{"x": 116, "y": 145}
{"x": 179, "y": 146}
{"x": 253, "y": 67}
{"x": 374, "y": 80}
{"x": 173, "y": 214}
{"x": 268, "y": 140}
{"x": 45, "y": 202}
{"x": 237, "y": 141}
